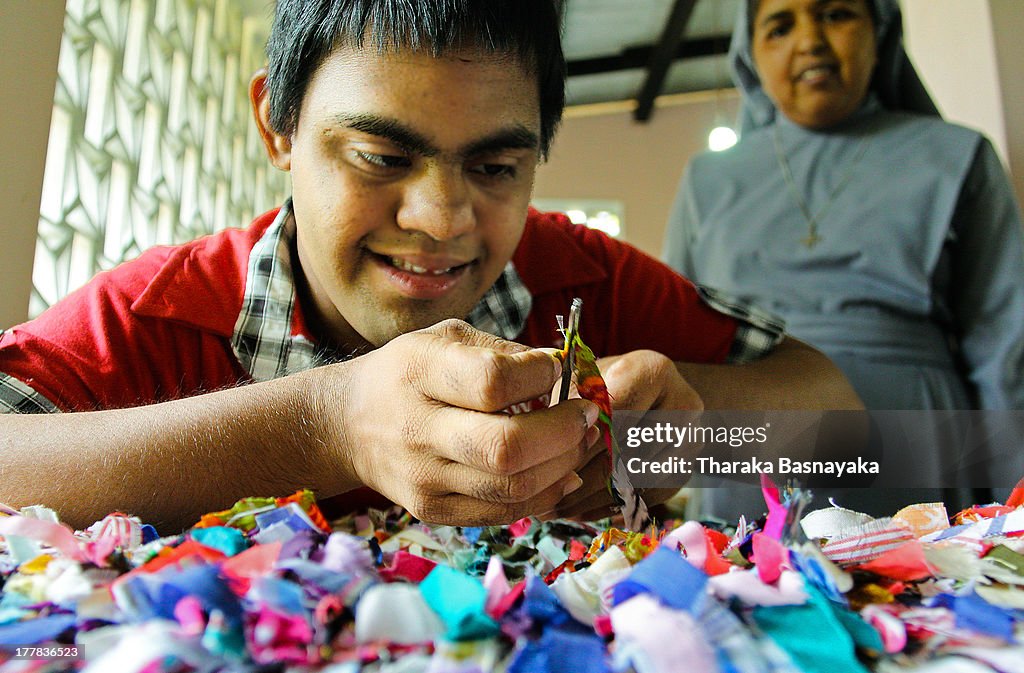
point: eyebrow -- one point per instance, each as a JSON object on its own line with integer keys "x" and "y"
{"x": 515, "y": 136}
{"x": 779, "y": 15}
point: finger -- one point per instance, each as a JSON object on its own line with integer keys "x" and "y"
{"x": 457, "y": 509}
{"x": 513, "y": 488}
{"x": 642, "y": 380}
{"x": 594, "y": 492}
{"x": 478, "y": 371}
{"x": 505, "y": 445}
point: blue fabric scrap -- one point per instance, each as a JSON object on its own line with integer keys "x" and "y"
{"x": 669, "y": 577}
{"x": 230, "y": 541}
{"x": 560, "y": 651}
{"x": 458, "y": 600}
{"x": 35, "y": 631}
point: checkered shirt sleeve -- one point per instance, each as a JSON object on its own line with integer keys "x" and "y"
{"x": 758, "y": 331}
{"x": 17, "y": 397}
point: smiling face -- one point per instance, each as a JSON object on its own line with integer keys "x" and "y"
{"x": 815, "y": 58}
{"x": 411, "y": 177}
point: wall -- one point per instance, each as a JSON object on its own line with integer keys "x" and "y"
{"x": 969, "y": 54}
{"x": 1008, "y": 17}
{"x": 601, "y": 153}
{"x": 967, "y": 51}
{"x": 30, "y": 32}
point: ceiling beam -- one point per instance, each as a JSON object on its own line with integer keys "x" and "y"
{"x": 661, "y": 57}
{"x": 640, "y": 57}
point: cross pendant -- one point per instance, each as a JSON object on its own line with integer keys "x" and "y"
{"x": 812, "y": 239}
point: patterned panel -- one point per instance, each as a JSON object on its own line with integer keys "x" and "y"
{"x": 152, "y": 140}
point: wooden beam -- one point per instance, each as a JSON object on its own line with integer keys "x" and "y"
{"x": 662, "y": 56}
{"x": 640, "y": 57}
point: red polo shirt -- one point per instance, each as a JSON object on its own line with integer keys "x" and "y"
{"x": 160, "y": 327}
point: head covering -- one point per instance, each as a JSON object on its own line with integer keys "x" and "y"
{"x": 895, "y": 81}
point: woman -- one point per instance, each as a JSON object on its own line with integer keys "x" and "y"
{"x": 885, "y": 236}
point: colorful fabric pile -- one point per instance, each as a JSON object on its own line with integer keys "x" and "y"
{"x": 271, "y": 586}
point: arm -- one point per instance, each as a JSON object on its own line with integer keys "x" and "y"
{"x": 413, "y": 420}
{"x": 793, "y": 376}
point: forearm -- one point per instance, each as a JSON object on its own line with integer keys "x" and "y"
{"x": 793, "y": 376}
{"x": 169, "y": 463}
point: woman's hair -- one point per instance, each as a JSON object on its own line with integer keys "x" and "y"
{"x": 305, "y": 32}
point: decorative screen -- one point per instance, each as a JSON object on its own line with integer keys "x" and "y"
{"x": 152, "y": 139}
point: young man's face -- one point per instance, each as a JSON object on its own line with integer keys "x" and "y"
{"x": 411, "y": 177}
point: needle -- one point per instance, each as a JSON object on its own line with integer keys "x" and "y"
{"x": 569, "y": 364}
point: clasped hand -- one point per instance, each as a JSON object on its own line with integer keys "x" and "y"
{"x": 422, "y": 424}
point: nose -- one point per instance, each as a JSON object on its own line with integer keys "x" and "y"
{"x": 810, "y": 36}
{"x": 438, "y": 203}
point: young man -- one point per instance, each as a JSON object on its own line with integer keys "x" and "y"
{"x": 412, "y": 132}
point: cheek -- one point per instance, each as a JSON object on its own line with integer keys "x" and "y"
{"x": 770, "y": 70}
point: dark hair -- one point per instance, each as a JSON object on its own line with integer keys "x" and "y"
{"x": 305, "y": 32}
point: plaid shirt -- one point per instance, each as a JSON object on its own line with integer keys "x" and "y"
{"x": 264, "y": 343}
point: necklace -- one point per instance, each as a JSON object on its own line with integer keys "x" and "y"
{"x": 812, "y": 238}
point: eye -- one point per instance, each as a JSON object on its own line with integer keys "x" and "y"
{"x": 777, "y": 30}
{"x": 494, "y": 170}
{"x": 386, "y": 161}
{"x": 837, "y": 14}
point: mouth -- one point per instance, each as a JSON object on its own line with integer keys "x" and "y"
{"x": 422, "y": 277}
{"x": 405, "y": 265}
{"x": 817, "y": 73}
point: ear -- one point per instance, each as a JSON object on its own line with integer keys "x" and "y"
{"x": 279, "y": 147}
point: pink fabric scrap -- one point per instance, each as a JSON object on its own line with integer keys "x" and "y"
{"x": 776, "y": 522}
{"x": 696, "y": 544}
{"x": 56, "y": 535}
{"x": 888, "y": 625}
{"x": 406, "y": 566}
{"x": 520, "y": 528}
{"x": 278, "y": 638}
{"x": 770, "y": 556}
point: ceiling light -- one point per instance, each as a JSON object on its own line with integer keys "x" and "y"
{"x": 721, "y": 138}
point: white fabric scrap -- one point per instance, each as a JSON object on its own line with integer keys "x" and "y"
{"x": 658, "y": 639}
{"x": 580, "y": 592}
{"x": 396, "y": 613}
{"x": 832, "y": 522}
{"x": 747, "y": 586}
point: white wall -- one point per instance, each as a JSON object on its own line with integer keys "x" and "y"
{"x": 969, "y": 54}
{"x": 30, "y": 32}
{"x": 601, "y": 153}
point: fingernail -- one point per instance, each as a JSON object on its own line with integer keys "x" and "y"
{"x": 571, "y": 483}
{"x": 592, "y": 412}
{"x": 593, "y": 434}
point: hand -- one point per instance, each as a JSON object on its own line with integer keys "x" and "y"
{"x": 421, "y": 423}
{"x": 638, "y": 381}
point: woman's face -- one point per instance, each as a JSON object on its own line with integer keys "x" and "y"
{"x": 815, "y": 58}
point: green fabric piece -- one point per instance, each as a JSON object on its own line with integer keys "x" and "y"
{"x": 1008, "y": 558}
{"x": 865, "y": 636}
{"x": 458, "y": 599}
{"x": 230, "y": 541}
{"x": 811, "y": 634}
